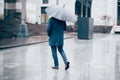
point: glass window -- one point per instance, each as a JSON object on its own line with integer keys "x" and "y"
{"x": 44, "y": 16}
{"x": 45, "y": 1}
{"x": 118, "y": 3}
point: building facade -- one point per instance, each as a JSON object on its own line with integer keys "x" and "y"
{"x": 104, "y": 12}
{"x": 13, "y": 8}
{"x": 45, "y": 3}
{"x": 35, "y": 9}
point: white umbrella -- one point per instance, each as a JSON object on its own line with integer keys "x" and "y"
{"x": 61, "y": 13}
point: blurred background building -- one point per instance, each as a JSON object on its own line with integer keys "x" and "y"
{"x": 104, "y": 12}
{"x": 35, "y": 9}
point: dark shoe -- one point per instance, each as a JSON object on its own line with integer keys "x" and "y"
{"x": 55, "y": 67}
{"x": 67, "y": 65}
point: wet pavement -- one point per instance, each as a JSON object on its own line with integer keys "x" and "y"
{"x": 16, "y": 42}
{"x": 95, "y": 59}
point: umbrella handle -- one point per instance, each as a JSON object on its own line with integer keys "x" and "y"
{"x": 64, "y": 3}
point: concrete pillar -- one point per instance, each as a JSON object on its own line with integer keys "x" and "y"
{"x": 23, "y": 11}
{"x": 86, "y": 9}
{"x": 57, "y": 2}
{"x": 1, "y": 9}
{"x": 82, "y": 9}
{"x": 23, "y": 30}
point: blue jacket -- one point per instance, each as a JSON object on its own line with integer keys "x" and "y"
{"x": 55, "y": 31}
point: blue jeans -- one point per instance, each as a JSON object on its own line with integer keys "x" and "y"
{"x": 54, "y": 54}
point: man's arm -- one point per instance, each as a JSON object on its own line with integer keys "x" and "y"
{"x": 49, "y": 27}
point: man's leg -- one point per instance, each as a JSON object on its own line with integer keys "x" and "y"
{"x": 60, "y": 49}
{"x": 54, "y": 55}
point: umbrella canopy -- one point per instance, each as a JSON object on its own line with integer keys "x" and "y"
{"x": 61, "y": 13}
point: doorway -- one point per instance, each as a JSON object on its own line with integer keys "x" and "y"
{"x": 44, "y": 16}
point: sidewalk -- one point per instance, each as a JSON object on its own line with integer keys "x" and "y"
{"x": 16, "y": 42}
{"x": 94, "y": 59}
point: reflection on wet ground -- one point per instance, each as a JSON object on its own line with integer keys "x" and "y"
{"x": 95, "y": 59}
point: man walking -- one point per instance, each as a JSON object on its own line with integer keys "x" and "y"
{"x": 55, "y": 31}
